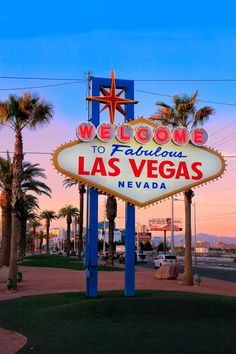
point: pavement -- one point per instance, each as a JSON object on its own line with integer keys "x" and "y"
{"x": 39, "y": 281}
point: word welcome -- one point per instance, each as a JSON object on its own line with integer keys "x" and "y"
{"x": 124, "y": 133}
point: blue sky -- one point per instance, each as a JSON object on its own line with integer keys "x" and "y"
{"x": 140, "y": 40}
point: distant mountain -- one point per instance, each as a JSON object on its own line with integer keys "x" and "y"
{"x": 212, "y": 239}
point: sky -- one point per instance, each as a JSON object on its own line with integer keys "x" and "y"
{"x": 167, "y": 41}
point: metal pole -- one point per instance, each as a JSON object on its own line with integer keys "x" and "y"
{"x": 130, "y": 250}
{"x": 195, "y": 230}
{"x": 104, "y": 228}
{"x": 172, "y": 226}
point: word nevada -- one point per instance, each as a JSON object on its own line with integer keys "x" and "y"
{"x": 107, "y": 132}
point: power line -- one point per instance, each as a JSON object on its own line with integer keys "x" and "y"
{"x": 185, "y": 80}
{"x": 226, "y": 141}
{"x": 226, "y": 126}
{"x": 221, "y": 214}
{"x": 217, "y": 217}
{"x": 41, "y": 86}
{"x": 137, "y": 80}
{"x": 164, "y": 95}
{"x": 75, "y": 81}
{"x": 40, "y": 78}
{"x": 222, "y": 139}
{"x": 216, "y": 191}
{"x": 50, "y": 153}
{"x": 28, "y": 152}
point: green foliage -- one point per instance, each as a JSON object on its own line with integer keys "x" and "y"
{"x": 145, "y": 246}
{"x": 54, "y": 261}
{"x": 160, "y": 247}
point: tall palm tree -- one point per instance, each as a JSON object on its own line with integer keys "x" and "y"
{"x": 68, "y": 212}
{"x": 69, "y": 183}
{"x": 48, "y": 216}
{"x": 111, "y": 211}
{"x": 33, "y": 223}
{"x": 28, "y": 206}
{"x": 184, "y": 113}
{"x": 5, "y": 204}
{"x": 30, "y": 182}
{"x": 18, "y": 113}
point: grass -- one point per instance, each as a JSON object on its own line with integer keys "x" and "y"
{"x": 152, "y": 322}
{"x": 54, "y": 261}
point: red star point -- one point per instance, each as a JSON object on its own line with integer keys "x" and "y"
{"x": 111, "y": 100}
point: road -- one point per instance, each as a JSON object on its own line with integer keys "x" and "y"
{"x": 215, "y": 272}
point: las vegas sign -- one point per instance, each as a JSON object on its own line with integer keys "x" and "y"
{"x": 139, "y": 162}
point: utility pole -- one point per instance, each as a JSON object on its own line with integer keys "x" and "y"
{"x": 172, "y": 226}
{"x": 195, "y": 231}
{"x": 104, "y": 228}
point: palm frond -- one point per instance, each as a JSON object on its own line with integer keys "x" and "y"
{"x": 202, "y": 115}
{"x": 68, "y": 182}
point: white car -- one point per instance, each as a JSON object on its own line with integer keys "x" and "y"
{"x": 164, "y": 259}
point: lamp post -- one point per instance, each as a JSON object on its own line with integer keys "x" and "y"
{"x": 195, "y": 231}
{"x": 172, "y": 226}
{"x": 104, "y": 228}
{"x": 172, "y": 222}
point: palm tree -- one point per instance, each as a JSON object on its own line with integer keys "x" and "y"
{"x": 184, "y": 113}
{"x": 18, "y": 113}
{"x": 48, "y": 215}
{"x": 30, "y": 182}
{"x": 69, "y": 183}
{"x": 68, "y": 212}
{"x": 111, "y": 211}
{"x": 5, "y": 204}
{"x": 28, "y": 206}
{"x": 33, "y": 223}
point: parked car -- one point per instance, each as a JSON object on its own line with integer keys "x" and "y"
{"x": 164, "y": 259}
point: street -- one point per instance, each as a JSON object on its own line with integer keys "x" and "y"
{"x": 211, "y": 271}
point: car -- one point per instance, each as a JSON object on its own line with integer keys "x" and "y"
{"x": 164, "y": 259}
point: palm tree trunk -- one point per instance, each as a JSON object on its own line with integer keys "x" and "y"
{"x": 22, "y": 241}
{"x": 14, "y": 246}
{"x": 40, "y": 242}
{"x": 6, "y": 237}
{"x": 81, "y": 218}
{"x": 33, "y": 239}
{"x": 188, "y": 271}
{"x": 110, "y": 242}
{"x": 47, "y": 237}
{"x": 16, "y": 189}
{"x": 68, "y": 239}
{"x": 111, "y": 211}
{"x": 164, "y": 241}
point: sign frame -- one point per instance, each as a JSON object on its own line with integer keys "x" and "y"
{"x": 127, "y": 199}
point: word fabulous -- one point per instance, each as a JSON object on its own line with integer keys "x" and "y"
{"x": 106, "y": 132}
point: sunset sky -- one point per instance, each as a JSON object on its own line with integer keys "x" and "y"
{"x": 167, "y": 48}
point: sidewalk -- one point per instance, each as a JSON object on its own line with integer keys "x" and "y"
{"x": 38, "y": 281}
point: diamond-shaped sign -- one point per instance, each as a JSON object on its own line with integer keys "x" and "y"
{"x": 139, "y": 174}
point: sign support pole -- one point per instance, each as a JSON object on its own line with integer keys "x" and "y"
{"x": 91, "y": 259}
{"x": 130, "y": 216}
{"x": 92, "y": 202}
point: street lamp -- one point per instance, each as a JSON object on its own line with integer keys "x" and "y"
{"x": 195, "y": 231}
{"x": 104, "y": 228}
{"x": 172, "y": 222}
